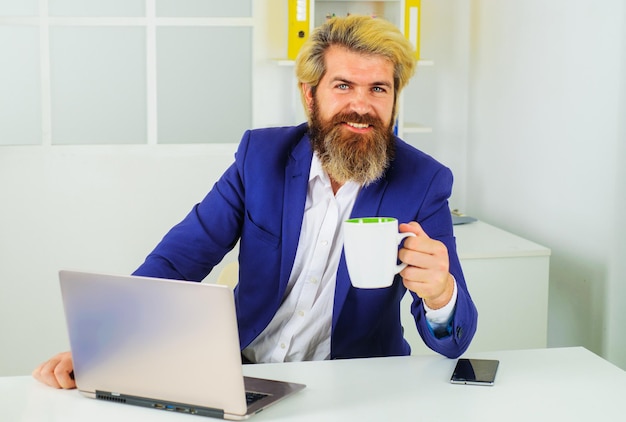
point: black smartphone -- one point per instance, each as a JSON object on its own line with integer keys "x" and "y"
{"x": 475, "y": 371}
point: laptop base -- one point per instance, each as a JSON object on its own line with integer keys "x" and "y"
{"x": 161, "y": 405}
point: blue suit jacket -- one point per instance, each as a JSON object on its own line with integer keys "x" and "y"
{"x": 260, "y": 201}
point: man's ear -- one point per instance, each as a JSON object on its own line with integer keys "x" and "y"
{"x": 307, "y": 94}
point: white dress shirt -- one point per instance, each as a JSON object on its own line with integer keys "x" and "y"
{"x": 301, "y": 328}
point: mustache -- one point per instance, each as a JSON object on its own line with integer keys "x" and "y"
{"x": 354, "y": 117}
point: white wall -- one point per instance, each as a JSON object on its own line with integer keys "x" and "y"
{"x": 93, "y": 208}
{"x": 546, "y": 151}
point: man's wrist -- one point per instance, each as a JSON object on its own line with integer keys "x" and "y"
{"x": 444, "y": 298}
{"x": 439, "y": 319}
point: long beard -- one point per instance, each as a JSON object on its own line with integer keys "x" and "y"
{"x": 344, "y": 155}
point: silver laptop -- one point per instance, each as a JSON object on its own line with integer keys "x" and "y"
{"x": 163, "y": 344}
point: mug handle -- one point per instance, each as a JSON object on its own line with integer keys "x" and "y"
{"x": 401, "y": 237}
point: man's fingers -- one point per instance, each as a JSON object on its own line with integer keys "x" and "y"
{"x": 421, "y": 243}
{"x": 44, "y": 373}
{"x": 413, "y": 227}
{"x": 56, "y": 372}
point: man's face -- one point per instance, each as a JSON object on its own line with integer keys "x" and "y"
{"x": 351, "y": 115}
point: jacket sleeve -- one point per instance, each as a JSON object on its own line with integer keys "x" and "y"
{"x": 435, "y": 218}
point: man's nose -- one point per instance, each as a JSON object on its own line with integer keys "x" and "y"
{"x": 360, "y": 102}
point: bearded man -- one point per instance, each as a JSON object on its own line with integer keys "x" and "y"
{"x": 284, "y": 200}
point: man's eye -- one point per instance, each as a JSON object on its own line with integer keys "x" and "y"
{"x": 343, "y": 86}
{"x": 379, "y": 89}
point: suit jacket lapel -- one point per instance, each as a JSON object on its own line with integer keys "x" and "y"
{"x": 296, "y": 183}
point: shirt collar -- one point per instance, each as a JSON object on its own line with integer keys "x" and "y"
{"x": 317, "y": 171}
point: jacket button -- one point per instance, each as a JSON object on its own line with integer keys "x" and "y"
{"x": 459, "y": 332}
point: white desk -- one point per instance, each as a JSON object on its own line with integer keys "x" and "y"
{"x": 569, "y": 384}
{"x": 507, "y": 277}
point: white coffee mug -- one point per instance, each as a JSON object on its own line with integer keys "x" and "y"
{"x": 371, "y": 249}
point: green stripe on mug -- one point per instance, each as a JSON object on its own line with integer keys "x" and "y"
{"x": 366, "y": 220}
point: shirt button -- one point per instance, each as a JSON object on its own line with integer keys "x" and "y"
{"x": 301, "y": 313}
{"x": 324, "y": 242}
{"x": 282, "y": 345}
{"x": 313, "y": 280}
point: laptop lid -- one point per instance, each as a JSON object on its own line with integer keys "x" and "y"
{"x": 158, "y": 343}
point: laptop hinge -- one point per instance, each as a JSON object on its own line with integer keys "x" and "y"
{"x": 160, "y": 404}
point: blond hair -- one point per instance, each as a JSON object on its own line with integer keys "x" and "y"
{"x": 360, "y": 34}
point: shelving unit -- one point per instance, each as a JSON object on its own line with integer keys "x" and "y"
{"x": 392, "y": 10}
